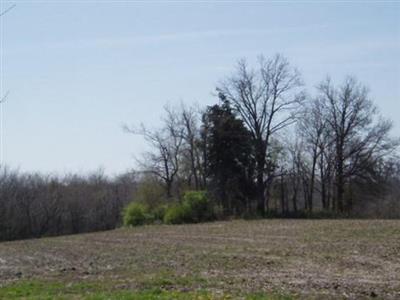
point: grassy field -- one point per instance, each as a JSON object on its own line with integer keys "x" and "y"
{"x": 266, "y": 259}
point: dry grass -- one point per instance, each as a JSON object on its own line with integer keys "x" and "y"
{"x": 301, "y": 258}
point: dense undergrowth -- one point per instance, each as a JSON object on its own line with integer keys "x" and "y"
{"x": 196, "y": 207}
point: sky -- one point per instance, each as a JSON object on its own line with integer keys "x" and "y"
{"x": 78, "y": 70}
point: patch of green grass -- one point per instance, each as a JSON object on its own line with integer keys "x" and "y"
{"x": 170, "y": 280}
{"x": 263, "y": 296}
{"x": 37, "y": 290}
{"x": 31, "y": 290}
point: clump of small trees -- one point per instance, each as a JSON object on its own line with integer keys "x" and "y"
{"x": 269, "y": 148}
{"x": 35, "y": 205}
{"x": 195, "y": 207}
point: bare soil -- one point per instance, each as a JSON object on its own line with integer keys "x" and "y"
{"x": 301, "y": 258}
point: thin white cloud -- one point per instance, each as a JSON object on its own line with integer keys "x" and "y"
{"x": 117, "y": 42}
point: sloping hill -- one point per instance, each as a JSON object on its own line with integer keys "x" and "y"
{"x": 253, "y": 259}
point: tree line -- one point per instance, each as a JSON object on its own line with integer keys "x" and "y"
{"x": 270, "y": 148}
{"x": 266, "y": 148}
{"x": 34, "y": 205}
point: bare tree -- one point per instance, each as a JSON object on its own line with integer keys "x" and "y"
{"x": 34, "y": 205}
{"x": 189, "y": 117}
{"x": 296, "y": 173}
{"x": 326, "y": 166}
{"x": 312, "y": 127}
{"x": 166, "y": 143}
{"x": 360, "y": 136}
{"x": 267, "y": 99}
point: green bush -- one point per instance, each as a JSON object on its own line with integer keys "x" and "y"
{"x": 159, "y": 212}
{"x": 195, "y": 207}
{"x": 150, "y": 192}
{"x": 176, "y": 214}
{"x": 198, "y": 207}
{"x": 136, "y": 214}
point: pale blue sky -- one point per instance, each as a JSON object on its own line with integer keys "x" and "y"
{"x": 77, "y": 70}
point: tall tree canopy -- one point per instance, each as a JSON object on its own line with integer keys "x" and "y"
{"x": 230, "y": 163}
{"x": 267, "y": 100}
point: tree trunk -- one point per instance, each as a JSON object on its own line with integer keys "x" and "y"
{"x": 323, "y": 183}
{"x": 261, "y": 155}
{"x": 260, "y": 194}
{"x": 169, "y": 188}
{"x": 340, "y": 187}
{"x": 193, "y": 165}
{"x": 312, "y": 180}
{"x": 294, "y": 200}
{"x": 282, "y": 196}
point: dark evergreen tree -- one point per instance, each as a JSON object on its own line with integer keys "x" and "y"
{"x": 230, "y": 161}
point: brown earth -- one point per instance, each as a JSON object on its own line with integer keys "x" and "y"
{"x": 301, "y": 258}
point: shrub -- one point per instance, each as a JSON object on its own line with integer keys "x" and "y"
{"x": 150, "y": 192}
{"x": 176, "y": 214}
{"x": 198, "y": 207}
{"x": 158, "y": 212}
{"x": 136, "y": 214}
{"x": 195, "y": 207}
